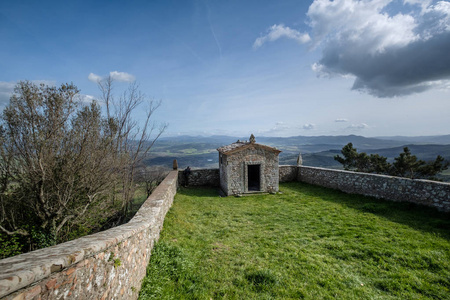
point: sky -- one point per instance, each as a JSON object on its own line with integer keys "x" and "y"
{"x": 271, "y": 68}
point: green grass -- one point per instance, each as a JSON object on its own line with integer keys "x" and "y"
{"x": 306, "y": 243}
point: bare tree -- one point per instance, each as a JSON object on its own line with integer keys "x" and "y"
{"x": 151, "y": 177}
{"x": 132, "y": 141}
{"x": 55, "y": 159}
{"x": 58, "y": 158}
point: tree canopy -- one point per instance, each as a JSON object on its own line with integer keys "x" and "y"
{"x": 405, "y": 165}
{"x": 59, "y": 157}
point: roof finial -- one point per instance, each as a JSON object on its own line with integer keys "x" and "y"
{"x": 252, "y": 139}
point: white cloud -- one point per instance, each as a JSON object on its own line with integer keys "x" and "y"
{"x": 422, "y": 3}
{"x": 94, "y": 77}
{"x": 122, "y": 76}
{"x": 360, "y": 23}
{"x": 309, "y": 126}
{"x": 320, "y": 70}
{"x": 341, "y": 120}
{"x": 278, "y": 31}
{"x": 389, "y": 55}
{"x": 85, "y": 99}
{"x": 115, "y": 75}
{"x": 358, "y": 126}
{"x": 279, "y": 127}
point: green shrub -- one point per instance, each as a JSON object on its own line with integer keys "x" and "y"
{"x": 10, "y": 246}
{"x": 41, "y": 239}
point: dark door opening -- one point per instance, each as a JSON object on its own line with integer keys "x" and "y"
{"x": 254, "y": 177}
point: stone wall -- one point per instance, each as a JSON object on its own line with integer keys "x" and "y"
{"x": 425, "y": 192}
{"x": 288, "y": 173}
{"x": 210, "y": 177}
{"x": 237, "y": 168}
{"x": 200, "y": 177}
{"x": 105, "y": 265}
{"x": 112, "y": 263}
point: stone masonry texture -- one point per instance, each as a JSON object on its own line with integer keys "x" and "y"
{"x": 210, "y": 177}
{"x": 112, "y": 263}
{"x": 200, "y": 177}
{"x": 288, "y": 173}
{"x": 424, "y": 192}
{"x": 106, "y": 265}
{"x": 233, "y": 167}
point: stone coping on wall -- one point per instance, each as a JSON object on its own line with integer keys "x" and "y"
{"x": 420, "y": 191}
{"x": 27, "y": 269}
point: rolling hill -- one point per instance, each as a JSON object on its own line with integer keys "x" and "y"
{"x": 318, "y": 151}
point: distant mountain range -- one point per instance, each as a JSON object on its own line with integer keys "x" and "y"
{"x": 435, "y": 139}
{"x": 310, "y": 144}
{"x": 319, "y": 151}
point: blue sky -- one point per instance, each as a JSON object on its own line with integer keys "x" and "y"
{"x": 272, "y": 68}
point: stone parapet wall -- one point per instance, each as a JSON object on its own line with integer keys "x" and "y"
{"x": 200, "y": 177}
{"x": 211, "y": 177}
{"x": 112, "y": 263}
{"x": 106, "y": 265}
{"x": 425, "y": 192}
{"x": 288, "y": 173}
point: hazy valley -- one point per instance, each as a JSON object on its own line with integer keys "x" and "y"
{"x": 318, "y": 151}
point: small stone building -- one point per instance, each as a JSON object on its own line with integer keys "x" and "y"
{"x": 248, "y": 167}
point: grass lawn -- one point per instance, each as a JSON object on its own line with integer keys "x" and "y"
{"x": 306, "y": 243}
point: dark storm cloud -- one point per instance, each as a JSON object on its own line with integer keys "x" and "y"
{"x": 395, "y": 72}
{"x": 388, "y": 55}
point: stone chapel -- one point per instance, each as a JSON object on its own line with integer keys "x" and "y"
{"x": 247, "y": 167}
